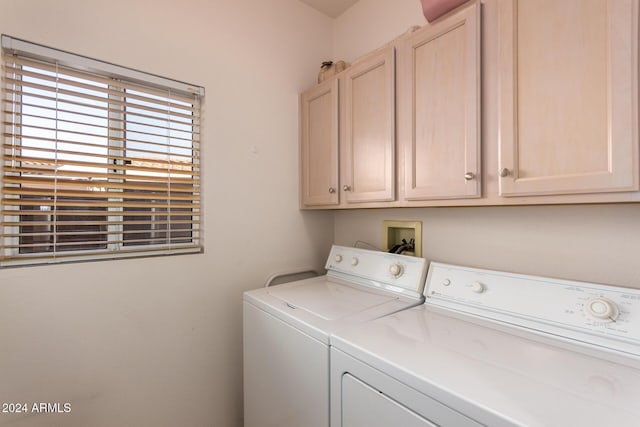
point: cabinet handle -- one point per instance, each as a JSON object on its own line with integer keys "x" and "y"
{"x": 346, "y": 187}
{"x": 504, "y": 172}
{"x": 469, "y": 176}
{"x": 332, "y": 190}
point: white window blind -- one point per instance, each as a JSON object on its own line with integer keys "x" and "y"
{"x": 96, "y": 164}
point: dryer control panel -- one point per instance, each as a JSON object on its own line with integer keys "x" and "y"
{"x": 602, "y": 315}
{"x": 398, "y": 273}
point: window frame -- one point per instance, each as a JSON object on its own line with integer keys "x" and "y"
{"x": 116, "y": 146}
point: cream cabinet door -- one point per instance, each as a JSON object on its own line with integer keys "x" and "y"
{"x": 568, "y": 95}
{"x": 439, "y": 108}
{"x": 368, "y": 129}
{"x": 319, "y": 145}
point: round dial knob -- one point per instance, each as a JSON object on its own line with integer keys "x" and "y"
{"x": 396, "y": 270}
{"x": 477, "y": 287}
{"x": 601, "y": 308}
{"x": 354, "y": 261}
{"x": 338, "y": 258}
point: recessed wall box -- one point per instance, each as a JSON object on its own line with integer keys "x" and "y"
{"x": 395, "y": 231}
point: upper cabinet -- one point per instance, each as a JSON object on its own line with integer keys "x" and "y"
{"x": 567, "y": 82}
{"x": 367, "y": 159}
{"x": 348, "y": 126}
{"x": 439, "y": 109}
{"x": 319, "y": 145}
{"x": 499, "y": 102}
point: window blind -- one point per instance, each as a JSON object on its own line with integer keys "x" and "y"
{"x": 95, "y": 166}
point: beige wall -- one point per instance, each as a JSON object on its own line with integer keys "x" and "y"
{"x": 598, "y": 243}
{"x": 369, "y": 24}
{"x": 591, "y": 243}
{"x": 157, "y": 341}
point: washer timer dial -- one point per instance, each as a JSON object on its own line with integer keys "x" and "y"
{"x": 396, "y": 270}
{"x": 602, "y": 309}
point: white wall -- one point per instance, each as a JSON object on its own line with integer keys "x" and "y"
{"x": 157, "y": 341}
{"x": 586, "y": 242}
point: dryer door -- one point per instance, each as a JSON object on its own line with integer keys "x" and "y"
{"x": 363, "y": 405}
{"x": 362, "y": 395}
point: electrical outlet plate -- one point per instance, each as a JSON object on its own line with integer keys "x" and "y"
{"x": 394, "y": 231}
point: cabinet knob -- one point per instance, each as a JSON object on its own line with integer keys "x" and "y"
{"x": 332, "y": 190}
{"x": 469, "y": 176}
{"x": 346, "y": 187}
{"x": 504, "y": 172}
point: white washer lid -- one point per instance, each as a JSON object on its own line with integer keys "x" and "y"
{"x": 329, "y": 300}
{"x": 321, "y": 305}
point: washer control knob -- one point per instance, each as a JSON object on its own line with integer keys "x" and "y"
{"x": 477, "y": 287}
{"x": 354, "y": 261}
{"x": 396, "y": 270}
{"x": 446, "y": 282}
{"x": 338, "y": 258}
{"x": 602, "y": 308}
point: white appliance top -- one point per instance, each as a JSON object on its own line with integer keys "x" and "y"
{"x": 360, "y": 285}
{"x": 399, "y": 274}
{"x": 588, "y": 314}
{"x": 507, "y": 349}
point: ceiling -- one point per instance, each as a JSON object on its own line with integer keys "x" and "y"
{"x": 331, "y": 8}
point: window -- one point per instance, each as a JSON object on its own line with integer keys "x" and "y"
{"x": 99, "y": 161}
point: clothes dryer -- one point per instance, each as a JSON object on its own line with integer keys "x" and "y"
{"x": 495, "y": 349}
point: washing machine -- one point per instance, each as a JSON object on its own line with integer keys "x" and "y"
{"x": 496, "y": 349}
{"x": 286, "y": 330}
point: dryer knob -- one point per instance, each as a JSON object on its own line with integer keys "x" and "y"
{"x": 354, "y": 261}
{"x": 338, "y": 258}
{"x": 477, "y": 287}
